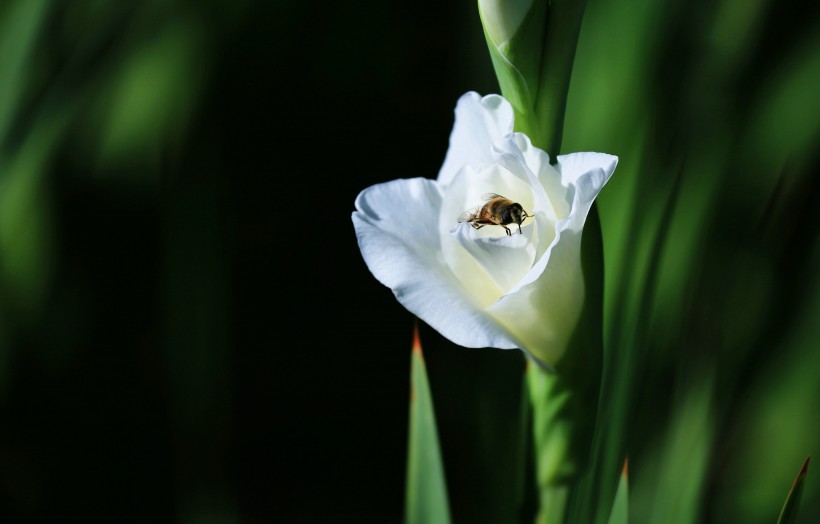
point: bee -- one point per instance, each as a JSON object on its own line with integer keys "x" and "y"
{"x": 496, "y": 210}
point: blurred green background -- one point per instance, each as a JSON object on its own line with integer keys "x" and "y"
{"x": 188, "y": 332}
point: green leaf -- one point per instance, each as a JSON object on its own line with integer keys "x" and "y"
{"x": 26, "y": 223}
{"x": 620, "y": 508}
{"x": 152, "y": 93}
{"x": 483, "y": 394}
{"x": 788, "y": 514}
{"x": 426, "y": 499}
{"x": 20, "y": 24}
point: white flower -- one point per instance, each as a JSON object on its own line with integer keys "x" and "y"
{"x": 483, "y": 287}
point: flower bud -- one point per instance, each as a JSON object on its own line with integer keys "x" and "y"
{"x": 502, "y": 19}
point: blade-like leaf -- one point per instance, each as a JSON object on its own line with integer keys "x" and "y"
{"x": 788, "y": 514}
{"x": 19, "y": 28}
{"x": 426, "y": 498}
{"x": 483, "y": 394}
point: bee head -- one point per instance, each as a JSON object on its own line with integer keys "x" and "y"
{"x": 514, "y": 214}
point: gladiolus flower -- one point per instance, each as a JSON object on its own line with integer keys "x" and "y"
{"x": 483, "y": 287}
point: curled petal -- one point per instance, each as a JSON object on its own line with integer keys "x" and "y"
{"x": 575, "y": 165}
{"x": 505, "y": 258}
{"x": 480, "y": 121}
{"x": 544, "y": 312}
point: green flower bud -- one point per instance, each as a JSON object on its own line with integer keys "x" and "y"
{"x": 502, "y": 19}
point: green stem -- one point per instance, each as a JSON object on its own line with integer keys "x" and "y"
{"x": 551, "y": 398}
{"x": 564, "y": 400}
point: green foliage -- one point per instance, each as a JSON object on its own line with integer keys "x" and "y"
{"x": 25, "y": 238}
{"x": 426, "y": 499}
{"x": 709, "y": 240}
{"x": 19, "y": 30}
{"x": 485, "y": 425}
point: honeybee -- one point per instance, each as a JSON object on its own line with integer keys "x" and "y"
{"x": 496, "y": 210}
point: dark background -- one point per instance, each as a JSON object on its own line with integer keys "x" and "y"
{"x": 205, "y": 341}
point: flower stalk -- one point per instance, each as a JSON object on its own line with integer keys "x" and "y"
{"x": 564, "y": 399}
{"x": 532, "y": 44}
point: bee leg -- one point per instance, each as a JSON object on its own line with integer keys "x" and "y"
{"x": 476, "y": 225}
{"x": 509, "y": 234}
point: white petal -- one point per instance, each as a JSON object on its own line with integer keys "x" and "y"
{"x": 397, "y": 228}
{"x": 548, "y": 177}
{"x": 575, "y": 165}
{"x": 543, "y": 313}
{"x": 479, "y": 122}
{"x": 586, "y": 189}
{"x": 407, "y": 208}
{"x": 505, "y": 258}
{"x": 588, "y": 173}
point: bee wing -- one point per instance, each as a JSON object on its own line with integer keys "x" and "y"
{"x": 468, "y": 215}
{"x": 486, "y": 197}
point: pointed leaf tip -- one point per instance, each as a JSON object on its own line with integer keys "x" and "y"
{"x": 805, "y": 467}
{"x": 417, "y": 341}
{"x": 788, "y": 514}
{"x": 426, "y": 499}
{"x": 619, "y": 514}
{"x": 801, "y": 475}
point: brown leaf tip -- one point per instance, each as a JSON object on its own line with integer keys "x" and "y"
{"x": 801, "y": 475}
{"x": 625, "y": 469}
{"x": 417, "y": 341}
{"x": 805, "y": 468}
